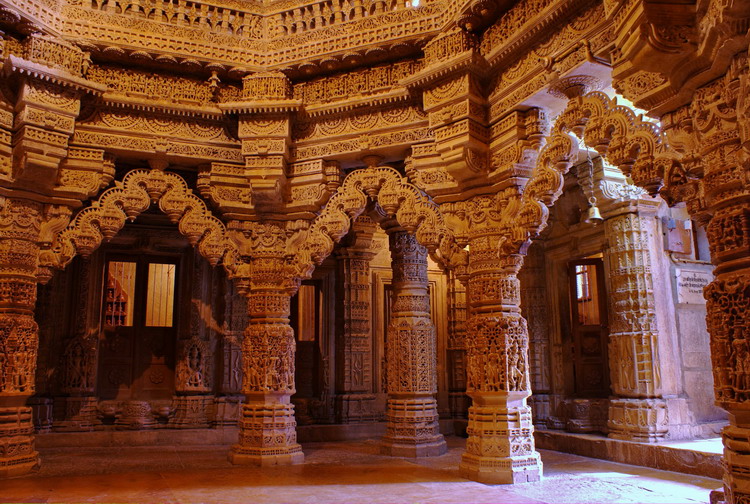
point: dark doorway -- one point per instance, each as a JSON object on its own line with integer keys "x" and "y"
{"x": 137, "y": 353}
{"x": 588, "y": 307}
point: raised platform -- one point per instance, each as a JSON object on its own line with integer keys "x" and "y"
{"x": 215, "y": 436}
{"x": 699, "y": 457}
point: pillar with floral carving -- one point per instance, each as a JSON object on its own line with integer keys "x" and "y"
{"x": 720, "y": 120}
{"x": 355, "y": 398}
{"x": 20, "y": 224}
{"x": 500, "y": 448}
{"x": 267, "y": 426}
{"x": 412, "y": 427}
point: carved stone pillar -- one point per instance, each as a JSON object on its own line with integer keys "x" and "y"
{"x": 638, "y": 413}
{"x": 724, "y": 140}
{"x": 500, "y": 448}
{"x": 79, "y": 361}
{"x": 536, "y": 312}
{"x": 267, "y": 424}
{"x": 20, "y": 222}
{"x": 355, "y": 398}
{"x": 229, "y": 404}
{"x": 459, "y": 401}
{"x": 412, "y": 428}
{"x": 194, "y": 369}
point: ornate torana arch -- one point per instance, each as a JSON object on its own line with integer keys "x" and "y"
{"x": 413, "y": 210}
{"x": 129, "y": 198}
{"x": 637, "y": 147}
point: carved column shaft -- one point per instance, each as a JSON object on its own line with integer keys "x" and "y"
{"x": 229, "y": 403}
{"x": 638, "y": 413}
{"x": 80, "y": 360}
{"x": 412, "y": 427}
{"x": 536, "y": 312}
{"x": 20, "y": 222}
{"x": 194, "y": 369}
{"x": 354, "y": 349}
{"x": 500, "y": 448}
{"x": 721, "y": 114}
{"x": 728, "y": 320}
{"x": 459, "y": 401}
{"x": 267, "y": 426}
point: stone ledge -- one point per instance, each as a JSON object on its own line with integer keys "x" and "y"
{"x": 216, "y": 436}
{"x": 159, "y": 437}
{"x": 657, "y": 456}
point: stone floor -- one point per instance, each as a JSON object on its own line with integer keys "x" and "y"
{"x": 341, "y": 472}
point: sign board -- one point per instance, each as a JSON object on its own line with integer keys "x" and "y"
{"x": 690, "y": 284}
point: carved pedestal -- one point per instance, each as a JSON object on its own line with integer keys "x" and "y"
{"x": 79, "y": 414}
{"x": 135, "y": 415}
{"x": 267, "y": 424}
{"x": 500, "y": 448}
{"x": 20, "y": 223}
{"x": 190, "y": 412}
{"x": 412, "y": 428}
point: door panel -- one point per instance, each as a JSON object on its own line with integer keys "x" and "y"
{"x": 589, "y": 325}
{"x": 137, "y": 356}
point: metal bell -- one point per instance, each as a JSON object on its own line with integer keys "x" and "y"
{"x": 593, "y": 215}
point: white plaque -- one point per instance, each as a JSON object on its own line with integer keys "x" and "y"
{"x": 690, "y": 284}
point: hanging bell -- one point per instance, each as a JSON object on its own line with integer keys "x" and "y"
{"x": 593, "y": 215}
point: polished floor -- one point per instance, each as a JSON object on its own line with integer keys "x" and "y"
{"x": 343, "y": 472}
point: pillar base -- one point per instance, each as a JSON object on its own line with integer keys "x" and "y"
{"x": 500, "y": 448}
{"x": 268, "y": 435}
{"x": 396, "y": 449}
{"x": 501, "y": 470}
{"x": 642, "y": 420}
{"x": 190, "y": 412}
{"x": 80, "y": 414}
{"x": 412, "y": 428}
{"x": 293, "y": 455}
{"x": 18, "y": 455}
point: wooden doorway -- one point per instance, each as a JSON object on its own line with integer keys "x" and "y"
{"x": 588, "y": 307}
{"x": 137, "y": 353}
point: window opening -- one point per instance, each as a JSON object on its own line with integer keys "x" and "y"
{"x": 587, "y": 296}
{"x": 120, "y": 295}
{"x": 160, "y": 295}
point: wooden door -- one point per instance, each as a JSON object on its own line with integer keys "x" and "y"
{"x": 589, "y": 326}
{"x": 137, "y": 354}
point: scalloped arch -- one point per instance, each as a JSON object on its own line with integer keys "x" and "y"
{"x": 624, "y": 139}
{"x": 413, "y": 210}
{"x": 129, "y": 198}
